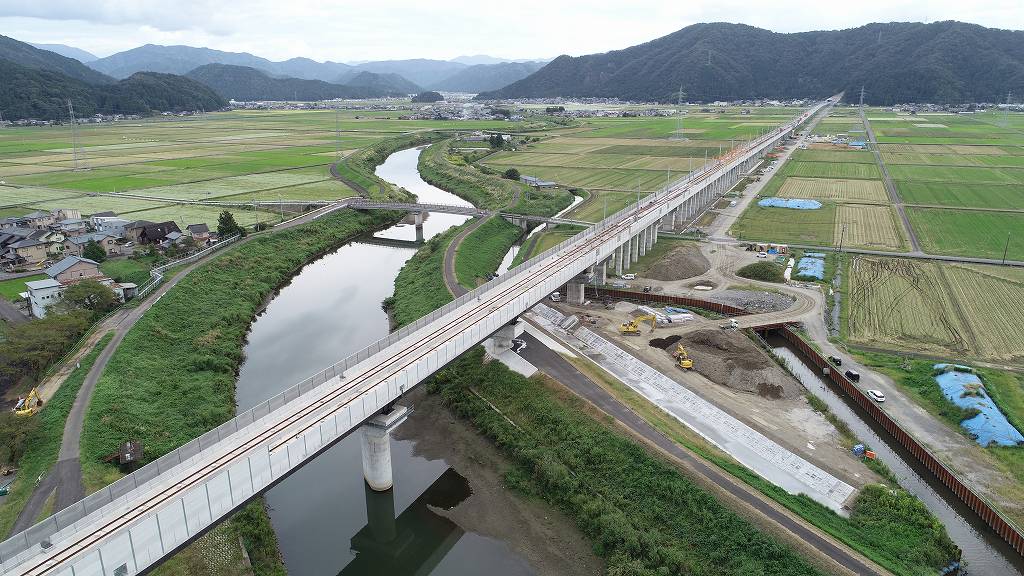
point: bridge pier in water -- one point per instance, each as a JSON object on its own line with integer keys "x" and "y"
{"x": 419, "y": 226}
{"x": 376, "y": 447}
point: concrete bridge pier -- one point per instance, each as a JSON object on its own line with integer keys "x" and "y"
{"x": 634, "y": 249}
{"x": 502, "y": 339}
{"x": 574, "y": 292}
{"x": 601, "y": 272}
{"x": 377, "y": 447}
{"x": 419, "y": 226}
{"x": 642, "y": 240}
{"x": 618, "y": 260}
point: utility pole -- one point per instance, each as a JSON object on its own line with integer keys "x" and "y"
{"x": 1006, "y": 247}
{"x": 337, "y": 133}
{"x": 679, "y": 117}
{"x": 1006, "y": 111}
{"x": 842, "y": 235}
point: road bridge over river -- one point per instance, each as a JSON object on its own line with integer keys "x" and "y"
{"x": 136, "y": 522}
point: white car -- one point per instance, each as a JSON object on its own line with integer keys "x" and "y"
{"x": 876, "y": 395}
{"x": 761, "y": 255}
{"x": 628, "y": 276}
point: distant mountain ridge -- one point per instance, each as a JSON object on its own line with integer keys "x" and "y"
{"x": 68, "y": 51}
{"x": 244, "y": 83}
{"x": 38, "y": 83}
{"x": 941, "y": 62}
{"x": 483, "y": 77}
{"x": 415, "y": 73}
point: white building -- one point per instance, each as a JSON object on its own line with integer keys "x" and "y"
{"x": 42, "y": 294}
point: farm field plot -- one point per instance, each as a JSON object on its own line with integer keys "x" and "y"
{"x": 969, "y": 233}
{"x": 968, "y": 311}
{"x": 93, "y": 204}
{"x": 902, "y": 303}
{"x": 601, "y": 178}
{"x": 11, "y": 195}
{"x": 812, "y": 227}
{"x": 983, "y": 160}
{"x": 185, "y": 214}
{"x": 957, "y": 174}
{"x": 593, "y": 210}
{"x": 868, "y": 226}
{"x": 831, "y": 170}
{"x": 836, "y": 155}
{"x": 322, "y": 190}
{"x": 992, "y": 150}
{"x": 962, "y": 194}
{"x": 869, "y": 191}
{"x": 594, "y": 160}
{"x": 634, "y": 146}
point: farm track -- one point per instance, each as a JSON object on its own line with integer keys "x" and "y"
{"x": 890, "y": 187}
{"x": 968, "y": 333}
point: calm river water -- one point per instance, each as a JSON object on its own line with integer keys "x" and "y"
{"x": 329, "y": 310}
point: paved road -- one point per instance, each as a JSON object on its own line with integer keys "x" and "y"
{"x": 451, "y": 280}
{"x": 10, "y": 313}
{"x": 890, "y": 187}
{"x": 66, "y": 476}
{"x": 564, "y": 372}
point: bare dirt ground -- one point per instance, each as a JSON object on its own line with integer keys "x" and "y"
{"x": 681, "y": 263}
{"x": 548, "y": 539}
{"x": 729, "y": 358}
{"x": 753, "y": 300}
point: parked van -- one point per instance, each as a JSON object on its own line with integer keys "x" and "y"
{"x": 555, "y": 297}
{"x": 853, "y": 376}
{"x": 628, "y": 276}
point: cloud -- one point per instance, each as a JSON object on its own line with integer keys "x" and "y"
{"x": 417, "y": 29}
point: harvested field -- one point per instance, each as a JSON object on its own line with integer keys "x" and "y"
{"x": 731, "y": 359}
{"x": 970, "y": 310}
{"x": 868, "y": 226}
{"x": 871, "y": 191}
{"x": 681, "y": 263}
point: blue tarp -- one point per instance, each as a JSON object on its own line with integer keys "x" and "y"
{"x": 795, "y": 203}
{"x": 811, "y": 267}
{"x": 990, "y": 425}
{"x": 674, "y": 310}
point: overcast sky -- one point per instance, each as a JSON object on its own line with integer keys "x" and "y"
{"x": 386, "y": 29}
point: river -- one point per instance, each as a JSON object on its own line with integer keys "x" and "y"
{"x": 985, "y": 553}
{"x": 331, "y": 309}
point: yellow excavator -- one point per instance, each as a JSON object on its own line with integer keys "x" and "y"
{"x": 29, "y": 405}
{"x": 683, "y": 358}
{"x": 633, "y": 326}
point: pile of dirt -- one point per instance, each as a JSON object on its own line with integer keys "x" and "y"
{"x": 729, "y": 358}
{"x": 681, "y": 263}
{"x": 754, "y": 301}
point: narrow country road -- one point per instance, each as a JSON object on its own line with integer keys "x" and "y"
{"x": 66, "y": 476}
{"x": 451, "y": 279}
{"x": 890, "y": 187}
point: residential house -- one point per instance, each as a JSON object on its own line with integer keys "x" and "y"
{"x": 39, "y": 220}
{"x": 26, "y": 246}
{"x": 75, "y": 246}
{"x": 67, "y": 214}
{"x": 200, "y": 233}
{"x": 133, "y": 230}
{"x": 110, "y": 224}
{"x": 42, "y": 294}
{"x": 71, "y": 226}
{"x": 155, "y": 233}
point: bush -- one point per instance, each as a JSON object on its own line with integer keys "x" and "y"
{"x": 763, "y": 271}
{"x": 511, "y": 174}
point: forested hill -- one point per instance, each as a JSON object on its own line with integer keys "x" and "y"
{"x": 38, "y": 83}
{"x": 245, "y": 83}
{"x": 43, "y": 94}
{"x": 942, "y": 62}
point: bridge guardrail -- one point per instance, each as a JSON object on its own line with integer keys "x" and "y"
{"x": 18, "y": 545}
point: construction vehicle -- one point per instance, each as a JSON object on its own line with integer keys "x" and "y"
{"x": 683, "y": 358}
{"x": 633, "y": 326}
{"x": 29, "y": 405}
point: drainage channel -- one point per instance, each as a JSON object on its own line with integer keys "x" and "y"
{"x": 983, "y": 551}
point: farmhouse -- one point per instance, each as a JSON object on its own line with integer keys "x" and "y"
{"x": 76, "y": 246}
{"x": 42, "y": 294}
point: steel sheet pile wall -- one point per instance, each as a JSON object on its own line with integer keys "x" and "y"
{"x": 1001, "y": 525}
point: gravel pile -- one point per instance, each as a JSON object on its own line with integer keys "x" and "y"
{"x": 679, "y": 264}
{"x": 753, "y": 300}
{"x": 729, "y": 358}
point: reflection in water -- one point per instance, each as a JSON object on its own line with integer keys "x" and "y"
{"x": 985, "y": 553}
{"x": 328, "y": 311}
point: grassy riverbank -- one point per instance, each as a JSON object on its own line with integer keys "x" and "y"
{"x": 641, "y": 514}
{"x": 465, "y": 181}
{"x": 173, "y": 376}
{"x": 482, "y": 250}
{"x": 358, "y": 167}
{"x": 43, "y": 443}
{"x": 419, "y": 286}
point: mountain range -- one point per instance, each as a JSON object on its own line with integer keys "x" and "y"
{"x": 69, "y": 51}
{"x": 245, "y": 83}
{"x": 38, "y": 83}
{"x": 416, "y": 73}
{"x": 942, "y": 62}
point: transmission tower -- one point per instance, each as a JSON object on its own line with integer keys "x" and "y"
{"x": 337, "y": 133}
{"x": 76, "y": 151}
{"x": 861, "y": 95}
{"x": 678, "y": 134}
